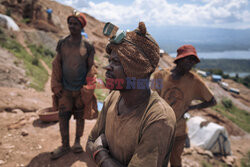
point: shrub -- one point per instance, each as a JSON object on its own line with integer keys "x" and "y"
{"x": 35, "y": 61}
{"x": 227, "y": 103}
{"x": 8, "y": 12}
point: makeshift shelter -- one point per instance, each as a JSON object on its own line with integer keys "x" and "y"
{"x": 209, "y": 136}
{"x": 216, "y": 78}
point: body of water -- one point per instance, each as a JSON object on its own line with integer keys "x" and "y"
{"x": 222, "y": 55}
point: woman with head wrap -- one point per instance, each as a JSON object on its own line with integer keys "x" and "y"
{"x": 135, "y": 127}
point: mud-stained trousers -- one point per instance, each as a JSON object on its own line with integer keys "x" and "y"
{"x": 178, "y": 147}
{"x": 70, "y": 103}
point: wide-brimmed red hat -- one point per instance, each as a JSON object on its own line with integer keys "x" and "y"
{"x": 79, "y": 16}
{"x": 185, "y": 51}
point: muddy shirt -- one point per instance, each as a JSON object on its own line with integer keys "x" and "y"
{"x": 74, "y": 64}
{"x": 140, "y": 138}
{"x": 180, "y": 93}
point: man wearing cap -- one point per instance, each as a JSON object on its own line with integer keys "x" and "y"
{"x": 180, "y": 87}
{"x": 74, "y": 60}
{"x": 136, "y": 126}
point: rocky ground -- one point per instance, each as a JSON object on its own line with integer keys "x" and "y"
{"x": 27, "y": 141}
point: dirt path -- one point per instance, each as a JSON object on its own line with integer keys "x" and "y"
{"x": 30, "y": 142}
{"x": 47, "y": 86}
{"x": 21, "y": 40}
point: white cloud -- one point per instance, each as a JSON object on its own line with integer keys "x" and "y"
{"x": 213, "y": 13}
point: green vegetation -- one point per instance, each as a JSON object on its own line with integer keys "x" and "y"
{"x": 100, "y": 94}
{"x": 230, "y": 65}
{"x": 245, "y": 162}
{"x": 26, "y": 20}
{"x": 40, "y": 52}
{"x": 8, "y": 12}
{"x": 227, "y": 103}
{"x": 34, "y": 70}
{"x": 206, "y": 164}
{"x": 216, "y": 163}
{"x": 236, "y": 115}
{"x": 245, "y": 81}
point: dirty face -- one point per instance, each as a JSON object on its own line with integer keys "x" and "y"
{"x": 115, "y": 75}
{"x": 186, "y": 63}
{"x": 74, "y": 26}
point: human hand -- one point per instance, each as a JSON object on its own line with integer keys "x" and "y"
{"x": 99, "y": 143}
{"x": 57, "y": 92}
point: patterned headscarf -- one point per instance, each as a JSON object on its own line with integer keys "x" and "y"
{"x": 139, "y": 54}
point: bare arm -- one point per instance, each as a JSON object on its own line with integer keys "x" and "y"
{"x": 204, "y": 104}
{"x": 91, "y": 52}
{"x": 90, "y": 61}
{"x": 56, "y": 76}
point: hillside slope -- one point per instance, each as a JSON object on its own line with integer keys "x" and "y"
{"x": 18, "y": 101}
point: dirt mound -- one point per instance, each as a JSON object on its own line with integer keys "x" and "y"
{"x": 37, "y": 37}
{"x": 45, "y": 26}
{"x": 27, "y": 100}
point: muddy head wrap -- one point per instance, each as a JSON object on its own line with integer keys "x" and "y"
{"x": 138, "y": 52}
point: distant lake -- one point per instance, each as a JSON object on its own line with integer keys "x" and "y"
{"x": 222, "y": 55}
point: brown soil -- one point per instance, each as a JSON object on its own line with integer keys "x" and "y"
{"x": 26, "y": 141}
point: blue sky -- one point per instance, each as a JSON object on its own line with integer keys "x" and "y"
{"x": 231, "y": 14}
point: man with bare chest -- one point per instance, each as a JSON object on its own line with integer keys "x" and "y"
{"x": 75, "y": 57}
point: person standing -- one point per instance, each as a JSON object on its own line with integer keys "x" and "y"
{"x": 74, "y": 60}
{"x": 180, "y": 87}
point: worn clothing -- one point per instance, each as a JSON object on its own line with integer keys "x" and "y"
{"x": 74, "y": 65}
{"x": 178, "y": 147}
{"x": 66, "y": 65}
{"x": 139, "y": 138}
{"x": 180, "y": 93}
{"x": 71, "y": 102}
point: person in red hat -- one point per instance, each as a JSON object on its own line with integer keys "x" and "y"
{"x": 74, "y": 60}
{"x": 180, "y": 87}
